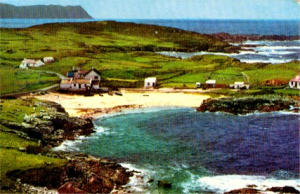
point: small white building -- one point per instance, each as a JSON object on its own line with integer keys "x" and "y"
{"x": 211, "y": 83}
{"x": 150, "y": 82}
{"x": 239, "y": 85}
{"x": 26, "y": 63}
{"x": 39, "y": 63}
{"x": 93, "y": 74}
{"x": 198, "y": 85}
{"x": 48, "y": 59}
{"x": 295, "y": 82}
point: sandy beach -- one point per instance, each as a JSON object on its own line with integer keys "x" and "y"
{"x": 94, "y": 106}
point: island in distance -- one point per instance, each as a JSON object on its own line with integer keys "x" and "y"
{"x": 43, "y": 11}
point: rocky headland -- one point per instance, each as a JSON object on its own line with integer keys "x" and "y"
{"x": 81, "y": 174}
{"x": 49, "y": 124}
{"x": 246, "y": 105}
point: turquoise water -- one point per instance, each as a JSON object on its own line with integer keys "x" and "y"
{"x": 200, "y": 152}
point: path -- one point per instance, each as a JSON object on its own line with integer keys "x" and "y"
{"x": 246, "y": 76}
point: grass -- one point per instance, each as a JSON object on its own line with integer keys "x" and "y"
{"x": 15, "y": 110}
{"x": 16, "y": 80}
{"x": 124, "y": 51}
{"x": 10, "y": 156}
{"x": 14, "y": 141}
{"x": 15, "y": 160}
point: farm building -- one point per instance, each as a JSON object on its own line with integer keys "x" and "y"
{"x": 48, "y": 59}
{"x": 210, "y": 83}
{"x": 295, "y": 82}
{"x": 239, "y": 85}
{"x": 81, "y": 81}
{"x": 150, "y": 82}
{"x": 26, "y": 63}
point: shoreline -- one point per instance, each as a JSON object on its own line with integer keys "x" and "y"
{"x": 96, "y": 106}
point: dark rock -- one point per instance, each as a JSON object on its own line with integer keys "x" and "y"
{"x": 285, "y": 189}
{"x": 150, "y": 181}
{"x": 243, "y": 191}
{"x": 164, "y": 183}
{"x": 69, "y": 188}
{"x": 82, "y": 173}
{"x": 245, "y": 105}
{"x": 244, "y": 37}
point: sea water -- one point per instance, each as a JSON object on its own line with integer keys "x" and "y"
{"x": 205, "y": 26}
{"x": 200, "y": 152}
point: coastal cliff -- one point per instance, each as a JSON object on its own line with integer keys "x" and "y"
{"x": 43, "y": 11}
{"x": 29, "y": 129}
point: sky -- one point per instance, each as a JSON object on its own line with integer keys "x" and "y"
{"x": 180, "y": 9}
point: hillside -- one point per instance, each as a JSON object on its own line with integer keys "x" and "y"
{"x": 42, "y": 11}
{"x": 125, "y": 53}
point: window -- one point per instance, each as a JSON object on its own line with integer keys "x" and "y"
{"x": 96, "y": 77}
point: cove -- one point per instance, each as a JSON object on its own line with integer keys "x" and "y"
{"x": 200, "y": 152}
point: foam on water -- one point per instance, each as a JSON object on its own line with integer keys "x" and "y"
{"x": 224, "y": 183}
{"x": 273, "y": 52}
{"x": 138, "y": 182}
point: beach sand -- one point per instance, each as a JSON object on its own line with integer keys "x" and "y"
{"x": 93, "y": 106}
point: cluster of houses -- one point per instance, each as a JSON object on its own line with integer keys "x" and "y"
{"x": 81, "y": 81}
{"x": 213, "y": 84}
{"x": 27, "y": 63}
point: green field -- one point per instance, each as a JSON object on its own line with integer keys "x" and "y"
{"x": 125, "y": 55}
{"x": 11, "y": 140}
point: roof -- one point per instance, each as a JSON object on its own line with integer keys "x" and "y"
{"x": 32, "y": 61}
{"x": 296, "y": 79}
{"x": 150, "y": 79}
{"x": 82, "y": 72}
{"x": 239, "y": 83}
{"x": 75, "y": 81}
{"x": 211, "y": 82}
{"x": 95, "y": 70}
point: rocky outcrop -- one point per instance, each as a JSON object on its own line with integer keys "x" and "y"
{"x": 245, "y": 105}
{"x": 81, "y": 174}
{"x": 241, "y": 38}
{"x": 285, "y": 189}
{"x": 51, "y": 125}
{"x": 243, "y": 191}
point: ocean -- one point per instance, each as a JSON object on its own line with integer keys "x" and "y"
{"x": 198, "y": 152}
{"x": 261, "y": 27}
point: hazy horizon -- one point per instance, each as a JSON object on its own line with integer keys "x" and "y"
{"x": 180, "y": 9}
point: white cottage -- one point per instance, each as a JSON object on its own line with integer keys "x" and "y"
{"x": 31, "y": 63}
{"x": 27, "y": 63}
{"x": 48, "y": 59}
{"x": 295, "y": 82}
{"x": 150, "y": 82}
{"x": 211, "y": 83}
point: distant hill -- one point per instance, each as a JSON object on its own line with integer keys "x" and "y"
{"x": 42, "y": 11}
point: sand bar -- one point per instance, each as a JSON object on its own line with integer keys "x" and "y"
{"x": 93, "y": 106}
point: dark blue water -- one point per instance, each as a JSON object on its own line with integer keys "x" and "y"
{"x": 190, "y": 148}
{"x": 262, "y": 27}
